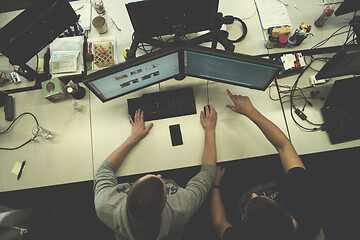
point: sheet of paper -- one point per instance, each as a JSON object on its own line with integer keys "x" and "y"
{"x": 66, "y": 56}
{"x": 84, "y": 9}
{"x": 272, "y": 13}
{"x": 66, "y": 44}
{"x": 16, "y": 168}
{"x": 65, "y": 63}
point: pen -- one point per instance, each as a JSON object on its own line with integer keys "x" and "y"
{"x": 21, "y": 169}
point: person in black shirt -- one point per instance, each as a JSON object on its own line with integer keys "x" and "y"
{"x": 288, "y": 211}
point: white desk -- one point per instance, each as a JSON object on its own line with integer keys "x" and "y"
{"x": 253, "y": 43}
{"x": 311, "y": 142}
{"x": 64, "y": 159}
{"x": 84, "y": 139}
{"x": 239, "y": 140}
{"x": 308, "y": 11}
{"x": 237, "y": 137}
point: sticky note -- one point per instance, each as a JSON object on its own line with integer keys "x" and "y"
{"x": 16, "y": 168}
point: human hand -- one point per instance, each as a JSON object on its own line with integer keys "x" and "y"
{"x": 138, "y": 126}
{"x": 208, "y": 122}
{"x": 220, "y": 171}
{"x": 243, "y": 104}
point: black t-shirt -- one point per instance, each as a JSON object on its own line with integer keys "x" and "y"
{"x": 301, "y": 200}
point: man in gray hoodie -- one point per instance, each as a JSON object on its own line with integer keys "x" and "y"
{"x": 151, "y": 208}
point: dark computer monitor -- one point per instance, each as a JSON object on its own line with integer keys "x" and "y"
{"x": 232, "y": 68}
{"x": 164, "y": 17}
{"x": 134, "y": 74}
{"x": 348, "y": 6}
{"x": 217, "y": 65}
{"x": 34, "y": 28}
{"x": 344, "y": 62}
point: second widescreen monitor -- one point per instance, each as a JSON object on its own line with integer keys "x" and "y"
{"x": 201, "y": 62}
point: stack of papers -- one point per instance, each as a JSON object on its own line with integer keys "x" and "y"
{"x": 272, "y": 13}
{"x": 66, "y": 56}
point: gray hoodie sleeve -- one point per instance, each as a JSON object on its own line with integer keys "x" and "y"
{"x": 185, "y": 202}
{"x": 109, "y": 196}
{"x": 199, "y": 186}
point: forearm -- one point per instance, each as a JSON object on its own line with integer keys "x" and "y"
{"x": 209, "y": 153}
{"x": 217, "y": 212}
{"x": 117, "y": 157}
{"x": 275, "y": 136}
{"x": 289, "y": 157}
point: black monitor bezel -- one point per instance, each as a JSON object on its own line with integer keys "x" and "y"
{"x": 131, "y": 63}
{"x": 238, "y": 57}
{"x": 163, "y": 52}
{"x": 346, "y": 50}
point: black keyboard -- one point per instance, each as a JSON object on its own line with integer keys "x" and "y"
{"x": 343, "y": 123}
{"x": 164, "y": 104}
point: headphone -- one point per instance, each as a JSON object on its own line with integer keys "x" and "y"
{"x": 229, "y": 20}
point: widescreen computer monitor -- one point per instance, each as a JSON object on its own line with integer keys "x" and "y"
{"x": 217, "y": 65}
{"x": 229, "y": 67}
{"x": 134, "y": 74}
{"x": 165, "y": 17}
{"x": 344, "y": 62}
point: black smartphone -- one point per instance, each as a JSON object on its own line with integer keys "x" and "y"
{"x": 175, "y": 134}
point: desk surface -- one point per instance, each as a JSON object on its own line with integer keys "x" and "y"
{"x": 237, "y": 136}
{"x": 311, "y": 142}
{"x": 308, "y": 11}
{"x": 84, "y": 139}
{"x": 64, "y": 159}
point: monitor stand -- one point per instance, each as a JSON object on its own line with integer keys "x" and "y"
{"x": 214, "y": 36}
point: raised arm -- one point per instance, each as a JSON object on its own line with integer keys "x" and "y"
{"x": 105, "y": 178}
{"x": 209, "y": 124}
{"x": 217, "y": 210}
{"x": 289, "y": 157}
{"x": 137, "y": 133}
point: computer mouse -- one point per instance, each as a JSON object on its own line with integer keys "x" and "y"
{"x": 208, "y": 106}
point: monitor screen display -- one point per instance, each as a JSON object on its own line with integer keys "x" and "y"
{"x": 345, "y": 62}
{"x": 217, "y": 65}
{"x": 239, "y": 70}
{"x": 131, "y": 78}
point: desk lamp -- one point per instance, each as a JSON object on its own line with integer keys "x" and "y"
{"x": 32, "y": 30}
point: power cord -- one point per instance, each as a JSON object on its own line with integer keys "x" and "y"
{"x": 8, "y": 128}
{"x": 291, "y": 94}
{"x": 297, "y": 111}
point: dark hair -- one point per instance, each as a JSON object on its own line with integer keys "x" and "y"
{"x": 146, "y": 198}
{"x": 266, "y": 219}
